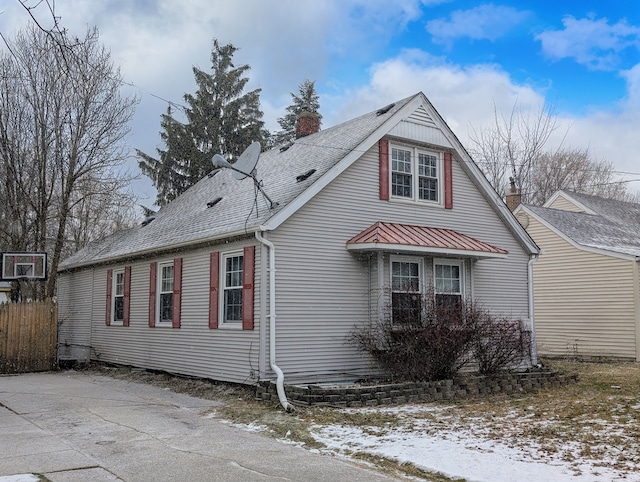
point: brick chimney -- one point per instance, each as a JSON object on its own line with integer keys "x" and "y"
{"x": 307, "y": 123}
{"x": 514, "y": 198}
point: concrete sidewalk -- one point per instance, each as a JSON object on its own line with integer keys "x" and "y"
{"x": 78, "y": 426}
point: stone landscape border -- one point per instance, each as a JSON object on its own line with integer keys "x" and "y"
{"x": 463, "y": 386}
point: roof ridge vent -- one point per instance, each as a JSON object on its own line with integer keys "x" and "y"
{"x": 305, "y": 176}
{"x": 147, "y": 220}
{"x": 210, "y": 204}
{"x": 385, "y": 109}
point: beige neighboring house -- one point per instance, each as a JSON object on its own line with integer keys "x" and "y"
{"x": 586, "y": 284}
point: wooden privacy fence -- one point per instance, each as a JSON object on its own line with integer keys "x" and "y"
{"x": 28, "y": 336}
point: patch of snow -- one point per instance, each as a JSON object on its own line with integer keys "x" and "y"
{"x": 461, "y": 454}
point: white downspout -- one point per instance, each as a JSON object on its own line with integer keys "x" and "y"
{"x": 534, "y": 349}
{"x": 272, "y": 323}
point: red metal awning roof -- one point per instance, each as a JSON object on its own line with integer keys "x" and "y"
{"x": 410, "y": 238}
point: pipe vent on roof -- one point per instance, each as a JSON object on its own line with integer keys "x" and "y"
{"x": 386, "y": 109}
{"x": 286, "y": 146}
{"x": 210, "y": 204}
{"x": 305, "y": 176}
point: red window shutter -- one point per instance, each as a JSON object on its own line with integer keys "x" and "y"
{"x": 383, "y": 146}
{"x": 177, "y": 292}
{"x": 448, "y": 181}
{"x": 248, "y": 272}
{"x": 107, "y": 319}
{"x": 127, "y": 295}
{"x": 153, "y": 270}
{"x": 214, "y": 288}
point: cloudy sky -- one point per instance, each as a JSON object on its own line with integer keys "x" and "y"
{"x": 582, "y": 57}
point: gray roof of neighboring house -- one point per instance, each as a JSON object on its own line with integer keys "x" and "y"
{"x": 187, "y": 220}
{"x": 611, "y": 225}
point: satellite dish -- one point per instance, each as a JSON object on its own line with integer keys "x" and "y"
{"x": 219, "y": 161}
{"x": 245, "y": 167}
{"x": 247, "y": 161}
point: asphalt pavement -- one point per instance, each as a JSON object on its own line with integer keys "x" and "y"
{"x": 75, "y": 426}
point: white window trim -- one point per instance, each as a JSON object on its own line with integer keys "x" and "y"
{"x": 415, "y": 177}
{"x": 114, "y": 277}
{"x": 159, "y": 321}
{"x": 421, "y": 276}
{"x": 407, "y": 259}
{"x": 450, "y": 262}
{"x": 223, "y": 323}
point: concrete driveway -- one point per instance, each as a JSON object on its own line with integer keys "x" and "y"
{"x": 77, "y": 426}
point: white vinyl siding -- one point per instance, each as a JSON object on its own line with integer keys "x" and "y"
{"x": 194, "y": 349}
{"x": 324, "y": 291}
{"x": 584, "y": 301}
{"x": 75, "y": 307}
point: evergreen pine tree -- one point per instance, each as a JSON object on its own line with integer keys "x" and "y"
{"x": 220, "y": 119}
{"x": 306, "y": 100}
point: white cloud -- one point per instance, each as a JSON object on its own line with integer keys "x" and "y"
{"x": 464, "y": 96}
{"x": 467, "y": 98}
{"x": 591, "y": 42}
{"x": 612, "y": 134}
{"x": 156, "y": 42}
{"x": 485, "y": 22}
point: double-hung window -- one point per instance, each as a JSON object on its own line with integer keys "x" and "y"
{"x": 401, "y": 173}
{"x": 165, "y": 292}
{"x": 231, "y": 289}
{"x": 415, "y": 174}
{"x": 448, "y": 282}
{"x": 428, "y": 189}
{"x": 233, "y": 264}
{"x": 406, "y": 289}
{"x": 118, "y": 296}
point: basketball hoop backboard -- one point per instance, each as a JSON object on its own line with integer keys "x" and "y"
{"x": 17, "y": 266}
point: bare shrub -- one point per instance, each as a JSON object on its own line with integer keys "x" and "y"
{"x": 430, "y": 343}
{"x": 437, "y": 337}
{"x": 500, "y": 343}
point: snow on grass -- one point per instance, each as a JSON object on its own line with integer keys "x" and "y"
{"x": 459, "y": 452}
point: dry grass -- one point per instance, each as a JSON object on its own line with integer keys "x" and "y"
{"x": 595, "y": 420}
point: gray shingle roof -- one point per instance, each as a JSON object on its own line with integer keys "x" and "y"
{"x": 615, "y": 226}
{"x": 187, "y": 220}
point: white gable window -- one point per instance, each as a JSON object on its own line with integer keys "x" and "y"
{"x": 118, "y": 296}
{"x": 165, "y": 292}
{"x": 401, "y": 173}
{"x": 415, "y": 174}
{"x": 448, "y": 281}
{"x": 406, "y": 289}
{"x": 232, "y": 275}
